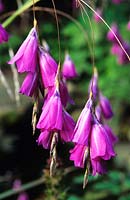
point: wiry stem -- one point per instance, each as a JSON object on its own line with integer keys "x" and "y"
{"x": 107, "y": 27}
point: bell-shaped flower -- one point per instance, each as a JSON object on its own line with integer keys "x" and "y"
{"x": 98, "y": 166}
{"x": 48, "y": 68}
{"x": 45, "y": 138}
{"x": 77, "y": 154}
{"x": 29, "y": 84}
{"x": 51, "y": 117}
{"x": 26, "y": 56}
{"x": 100, "y": 143}
{"x": 83, "y": 126}
{"x": 105, "y": 107}
{"x": 3, "y": 35}
{"x": 68, "y": 69}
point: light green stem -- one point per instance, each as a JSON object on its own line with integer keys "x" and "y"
{"x": 26, "y": 186}
{"x": 23, "y": 8}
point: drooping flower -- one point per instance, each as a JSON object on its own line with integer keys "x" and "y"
{"x": 3, "y": 35}
{"x": 77, "y": 155}
{"x": 68, "y": 69}
{"x": 23, "y": 196}
{"x": 54, "y": 119}
{"x": 51, "y": 117}
{"x": 83, "y": 126}
{"x": 96, "y": 17}
{"x": 29, "y": 84}
{"x": 112, "y": 136}
{"x": 26, "y": 56}
{"x": 105, "y": 107}
{"x": 100, "y": 143}
{"x": 48, "y": 68}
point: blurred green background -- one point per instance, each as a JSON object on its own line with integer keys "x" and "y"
{"x": 20, "y": 157}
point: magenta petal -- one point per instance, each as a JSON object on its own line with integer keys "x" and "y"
{"x": 3, "y": 35}
{"x": 44, "y": 139}
{"x": 106, "y": 107}
{"x": 29, "y": 84}
{"x": 68, "y": 127}
{"x": 83, "y": 126}
{"x": 51, "y": 117}
{"x": 23, "y": 196}
{"x": 77, "y": 155}
{"x": 98, "y": 166}
{"x": 68, "y": 69}
{"x": 26, "y": 56}
{"x": 98, "y": 144}
{"x": 64, "y": 94}
{"x": 113, "y": 138}
{"x": 48, "y": 68}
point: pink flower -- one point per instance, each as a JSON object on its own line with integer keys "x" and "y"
{"x": 77, "y": 154}
{"x": 48, "y": 68}
{"x": 26, "y": 56}
{"x": 29, "y": 84}
{"x": 112, "y": 136}
{"x": 96, "y": 17}
{"x": 100, "y": 143}
{"x": 3, "y": 35}
{"x": 83, "y": 126}
{"x": 98, "y": 166}
{"x": 51, "y": 117}
{"x": 69, "y": 70}
{"x": 105, "y": 107}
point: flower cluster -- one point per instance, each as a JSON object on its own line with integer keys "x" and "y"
{"x": 93, "y": 139}
{"x": 43, "y": 74}
{"x": 116, "y": 48}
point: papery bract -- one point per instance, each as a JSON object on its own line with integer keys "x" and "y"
{"x": 68, "y": 69}
{"x": 77, "y": 155}
{"x": 48, "y": 68}
{"x": 3, "y": 35}
{"x": 105, "y": 107}
{"x": 93, "y": 86}
{"x": 83, "y": 125}
{"x": 29, "y": 84}
{"x": 26, "y": 56}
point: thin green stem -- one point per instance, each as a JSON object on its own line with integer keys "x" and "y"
{"x": 18, "y": 12}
